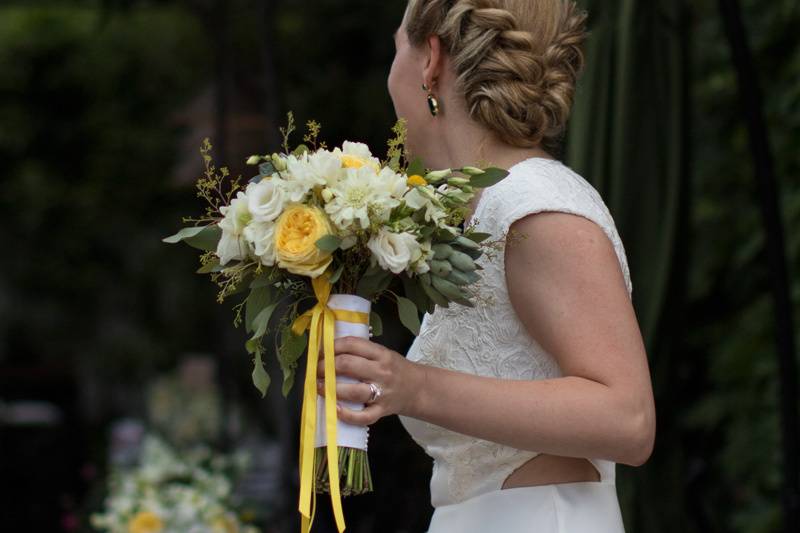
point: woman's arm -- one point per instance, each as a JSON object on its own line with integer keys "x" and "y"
{"x": 566, "y": 286}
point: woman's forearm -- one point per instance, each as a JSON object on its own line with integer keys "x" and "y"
{"x": 569, "y": 415}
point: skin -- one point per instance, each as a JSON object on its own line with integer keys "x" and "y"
{"x": 576, "y": 306}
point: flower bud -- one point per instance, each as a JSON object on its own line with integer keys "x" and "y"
{"x": 278, "y": 162}
{"x": 327, "y": 195}
{"x": 254, "y": 160}
{"x": 436, "y": 175}
{"x": 458, "y": 182}
{"x": 472, "y": 171}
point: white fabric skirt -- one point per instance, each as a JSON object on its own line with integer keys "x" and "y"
{"x": 577, "y": 507}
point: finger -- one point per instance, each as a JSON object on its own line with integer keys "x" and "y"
{"x": 356, "y": 346}
{"x": 350, "y": 392}
{"x": 369, "y": 415}
{"x": 351, "y": 365}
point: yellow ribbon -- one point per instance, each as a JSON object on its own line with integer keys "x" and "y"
{"x": 320, "y": 318}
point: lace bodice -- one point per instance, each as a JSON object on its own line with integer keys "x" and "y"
{"x": 489, "y": 339}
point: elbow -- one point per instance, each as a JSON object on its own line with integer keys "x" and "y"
{"x": 641, "y": 437}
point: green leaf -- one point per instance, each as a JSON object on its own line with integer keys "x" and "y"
{"x": 413, "y": 291}
{"x": 477, "y": 236}
{"x": 202, "y": 237}
{"x": 260, "y": 377}
{"x": 261, "y": 321}
{"x": 371, "y": 284}
{"x": 489, "y": 177}
{"x": 182, "y": 234}
{"x": 263, "y": 280}
{"x": 291, "y": 348}
{"x": 328, "y": 243}
{"x": 257, "y": 300}
{"x": 409, "y": 316}
{"x": 337, "y": 274}
{"x": 266, "y": 169}
{"x": 415, "y": 167}
{"x": 211, "y": 266}
{"x": 376, "y": 323}
{"x": 196, "y": 235}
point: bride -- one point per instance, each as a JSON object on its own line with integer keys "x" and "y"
{"x": 527, "y": 401}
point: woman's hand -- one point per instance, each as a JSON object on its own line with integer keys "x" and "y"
{"x": 399, "y": 379}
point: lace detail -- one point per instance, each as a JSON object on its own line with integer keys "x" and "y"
{"x": 489, "y": 339}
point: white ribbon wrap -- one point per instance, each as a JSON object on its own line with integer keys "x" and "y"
{"x": 347, "y": 435}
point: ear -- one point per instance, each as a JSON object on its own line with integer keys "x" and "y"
{"x": 433, "y": 65}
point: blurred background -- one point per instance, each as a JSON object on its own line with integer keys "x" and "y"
{"x": 113, "y": 354}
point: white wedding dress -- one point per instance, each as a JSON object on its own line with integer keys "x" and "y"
{"x": 489, "y": 340}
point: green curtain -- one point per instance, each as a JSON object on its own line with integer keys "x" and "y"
{"x": 628, "y": 137}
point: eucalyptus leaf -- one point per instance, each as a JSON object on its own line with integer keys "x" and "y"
{"x": 261, "y": 321}
{"x": 183, "y": 234}
{"x": 205, "y": 240}
{"x": 257, "y": 300}
{"x": 413, "y": 291}
{"x": 337, "y": 274}
{"x": 489, "y": 177}
{"x": 369, "y": 285}
{"x": 328, "y": 243}
{"x": 266, "y": 169}
{"x": 477, "y": 236}
{"x": 376, "y": 323}
{"x": 409, "y": 316}
{"x": 260, "y": 377}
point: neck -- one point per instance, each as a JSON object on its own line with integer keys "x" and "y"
{"x": 462, "y": 142}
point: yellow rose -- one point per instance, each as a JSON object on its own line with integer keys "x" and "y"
{"x": 416, "y": 179}
{"x": 297, "y": 230}
{"x": 145, "y": 522}
{"x": 353, "y": 161}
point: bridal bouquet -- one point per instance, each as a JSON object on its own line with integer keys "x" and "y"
{"x": 336, "y": 227}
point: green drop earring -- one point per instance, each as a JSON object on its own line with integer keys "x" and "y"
{"x": 433, "y": 103}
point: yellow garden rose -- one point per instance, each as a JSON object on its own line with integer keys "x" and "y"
{"x": 297, "y": 230}
{"x": 145, "y": 522}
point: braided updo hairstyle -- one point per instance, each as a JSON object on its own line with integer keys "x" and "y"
{"x": 516, "y": 61}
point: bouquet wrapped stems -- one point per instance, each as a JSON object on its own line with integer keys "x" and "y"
{"x": 339, "y": 462}
{"x": 351, "y": 440}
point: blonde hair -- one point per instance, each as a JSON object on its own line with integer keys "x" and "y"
{"x": 516, "y": 61}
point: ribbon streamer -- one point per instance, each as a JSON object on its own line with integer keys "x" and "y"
{"x": 320, "y": 319}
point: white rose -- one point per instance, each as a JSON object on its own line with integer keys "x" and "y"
{"x": 266, "y": 199}
{"x": 261, "y": 237}
{"x": 232, "y": 245}
{"x": 394, "y": 251}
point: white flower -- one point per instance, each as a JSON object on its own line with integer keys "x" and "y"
{"x": 326, "y": 167}
{"x": 301, "y": 177}
{"x": 356, "y": 155}
{"x": 358, "y": 195}
{"x": 394, "y": 251}
{"x": 420, "y": 256}
{"x": 232, "y": 245}
{"x": 395, "y": 184}
{"x": 416, "y": 199}
{"x": 261, "y": 237}
{"x": 266, "y": 199}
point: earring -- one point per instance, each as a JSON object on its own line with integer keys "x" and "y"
{"x": 433, "y": 103}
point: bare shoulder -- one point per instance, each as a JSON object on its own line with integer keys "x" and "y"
{"x": 565, "y": 283}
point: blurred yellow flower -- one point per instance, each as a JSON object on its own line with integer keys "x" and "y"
{"x": 297, "y": 230}
{"x": 224, "y": 524}
{"x": 416, "y": 179}
{"x": 353, "y": 161}
{"x": 145, "y": 522}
